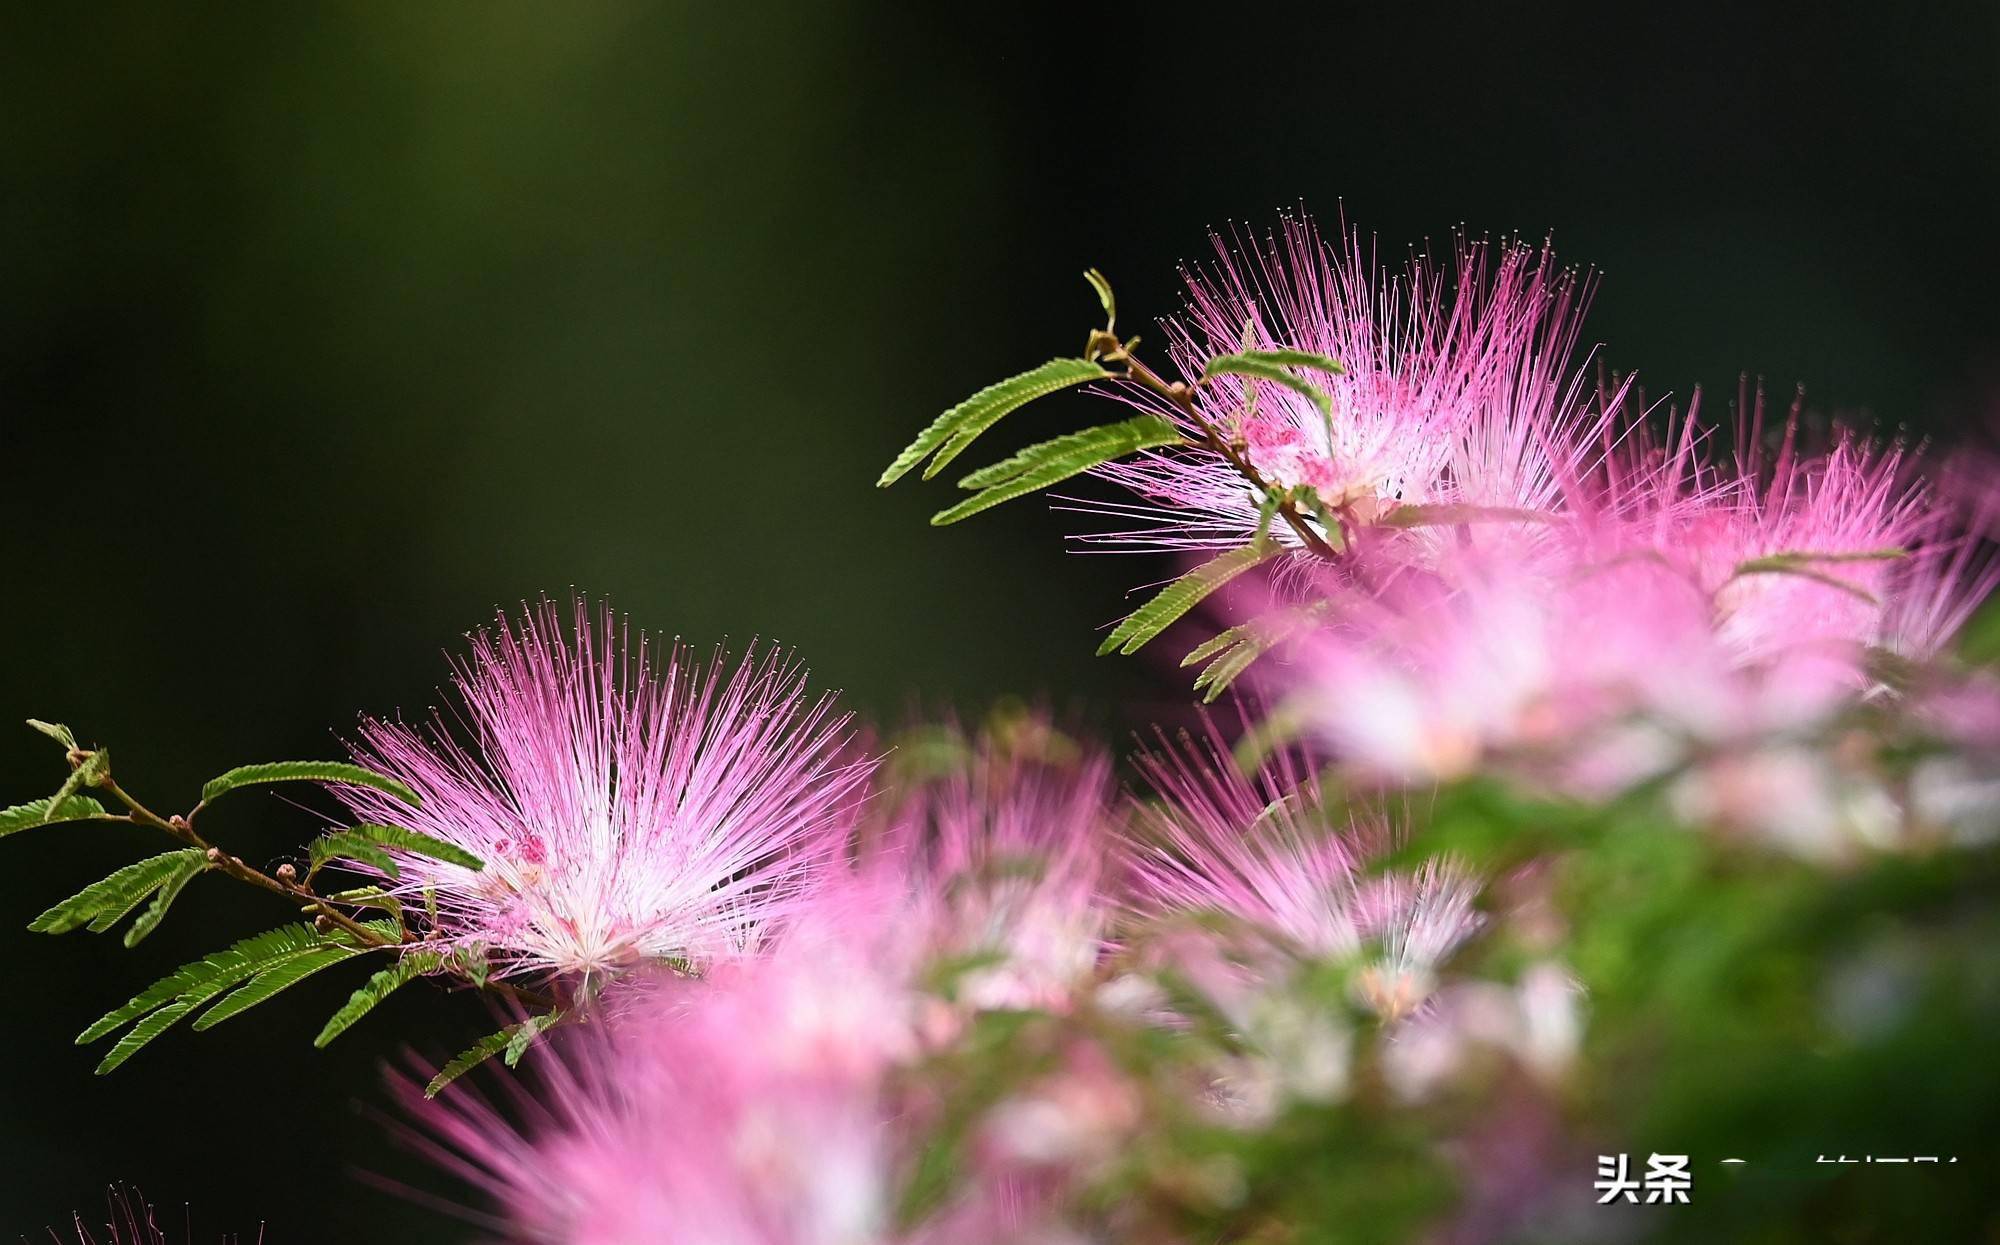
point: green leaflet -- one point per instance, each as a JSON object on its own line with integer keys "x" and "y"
{"x": 366, "y": 843}
{"x": 1802, "y": 564}
{"x": 306, "y": 771}
{"x": 378, "y": 987}
{"x": 105, "y": 902}
{"x": 1232, "y": 652}
{"x": 271, "y": 981}
{"x": 1219, "y": 673}
{"x": 371, "y": 897}
{"x": 1787, "y": 559}
{"x": 951, "y": 432}
{"x": 1178, "y": 597}
{"x": 226, "y": 967}
{"x": 526, "y": 1032}
{"x": 56, "y": 731}
{"x": 1286, "y": 357}
{"x": 1051, "y": 462}
{"x": 47, "y": 812}
{"x": 1102, "y": 285}
{"x": 1145, "y": 427}
{"x": 346, "y": 845}
{"x": 163, "y": 898}
{"x": 487, "y": 1047}
{"x": 1274, "y": 366}
{"x": 140, "y": 1034}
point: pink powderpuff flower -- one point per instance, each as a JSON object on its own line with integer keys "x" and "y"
{"x": 630, "y": 804}
{"x": 753, "y": 1107}
{"x": 1266, "y": 850}
{"x": 1851, "y": 513}
{"x": 1456, "y": 387}
{"x": 1010, "y": 859}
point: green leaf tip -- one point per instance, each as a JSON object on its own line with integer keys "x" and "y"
{"x": 1102, "y": 285}
{"x": 380, "y": 986}
{"x": 307, "y": 771}
{"x": 56, "y": 731}
{"x": 514, "y": 1040}
{"x": 47, "y": 811}
{"x": 1178, "y": 597}
{"x": 949, "y": 434}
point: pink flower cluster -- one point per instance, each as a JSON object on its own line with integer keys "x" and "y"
{"x": 1533, "y": 570}
{"x": 779, "y": 1094}
{"x": 784, "y": 952}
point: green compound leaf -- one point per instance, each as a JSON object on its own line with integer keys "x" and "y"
{"x": 105, "y": 902}
{"x": 275, "y": 979}
{"x": 951, "y": 432}
{"x": 414, "y": 964}
{"x": 221, "y": 969}
{"x": 160, "y": 1005}
{"x": 306, "y": 771}
{"x": 1052, "y": 462}
{"x": 1178, "y": 597}
{"x": 367, "y": 843}
{"x": 48, "y": 812}
{"x": 487, "y": 1047}
{"x": 271, "y": 981}
{"x": 163, "y": 898}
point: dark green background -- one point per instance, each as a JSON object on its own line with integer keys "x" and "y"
{"x": 328, "y": 328}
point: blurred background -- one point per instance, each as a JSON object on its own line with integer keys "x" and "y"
{"x": 329, "y": 329}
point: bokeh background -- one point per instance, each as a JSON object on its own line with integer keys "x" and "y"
{"x": 326, "y": 329}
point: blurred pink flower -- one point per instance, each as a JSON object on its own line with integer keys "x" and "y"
{"x": 1009, "y": 859}
{"x": 625, "y": 812}
{"x": 1268, "y": 850}
{"x": 753, "y": 1107}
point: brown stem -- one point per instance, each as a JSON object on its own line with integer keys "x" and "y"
{"x": 1182, "y": 396}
